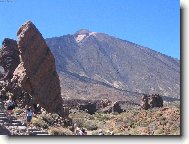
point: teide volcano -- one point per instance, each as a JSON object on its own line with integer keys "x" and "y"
{"x": 95, "y": 65}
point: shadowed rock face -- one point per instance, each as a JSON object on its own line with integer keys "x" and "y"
{"x": 151, "y": 101}
{"x": 9, "y": 57}
{"x": 144, "y": 103}
{"x": 155, "y": 101}
{"x": 36, "y": 74}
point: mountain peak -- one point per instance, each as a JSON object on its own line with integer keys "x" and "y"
{"x": 83, "y": 31}
{"x": 83, "y": 34}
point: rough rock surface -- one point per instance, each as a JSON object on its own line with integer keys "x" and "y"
{"x": 144, "y": 103}
{"x": 36, "y": 74}
{"x": 9, "y": 57}
{"x": 155, "y": 101}
{"x": 89, "y": 107}
{"x": 151, "y": 101}
{"x": 114, "y": 107}
{"x": 92, "y": 106}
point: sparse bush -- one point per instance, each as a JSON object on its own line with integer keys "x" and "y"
{"x": 79, "y": 118}
{"x": 47, "y": 118}
{"x": 39, "y": 122}
{"x": 158, "y": 131}
{"x": 9, "y": 94}
{"x": 90, "y": 125}
{"x": 133, "y": 121}
{"x": 95, "y": 132}
{"x": 134, "y": 132}
{"x": 101, "y": 116}
{"x": 17, "y": 111}
{"x": 60, "y": 131}
{"x": 90, "y": 117}
{"x": 128, "y": 122}
{"x": 78, "y": 121}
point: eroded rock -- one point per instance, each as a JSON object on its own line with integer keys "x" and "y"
{"x": 151, "y": 101}
{"x": 36, "y": 74}
{"x": 9, "y": 58}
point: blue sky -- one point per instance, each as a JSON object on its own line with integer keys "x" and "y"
{"x": 150, "y": 23}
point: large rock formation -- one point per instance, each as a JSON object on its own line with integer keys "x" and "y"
{"x": 9, "y": 58}
{"x": 144, "y": 102}
{"x": 151, "y": 101}
{"x": 155, "y": 101}
{"x": 92, "y": 106}
{"x": 36, "y": 74}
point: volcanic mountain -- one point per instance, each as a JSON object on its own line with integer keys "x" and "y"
{"x": 95, "y": 65}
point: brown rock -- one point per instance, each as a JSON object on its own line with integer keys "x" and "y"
{"x": 144, "y": 102}
{"x": 116, "y": 107}
{"x": 155, "y": 101}
{"x": 36, "y": 74}
{"x": 90, "y": 107}
{"x": 103, "y": 103}
{"x": 151, "y": 101}
{"x": 9, "y": 57}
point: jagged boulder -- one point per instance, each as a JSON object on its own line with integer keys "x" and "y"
{"x": 155, "y": 101}
{"x": 89, "y": 107}
{"x": 151, "y": 101}
{"x": 9, "y": 58}
{"x": 103, "y": 103}
{"x": 36, "y": 74}
{"x": 144, "y": 102}
{"x": 114, "y": 107}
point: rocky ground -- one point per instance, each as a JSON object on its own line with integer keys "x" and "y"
{"x": 133, "y": 121}
{"x": 15, "y": 125}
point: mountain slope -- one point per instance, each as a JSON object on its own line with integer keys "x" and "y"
{"x": 92, "y": 65}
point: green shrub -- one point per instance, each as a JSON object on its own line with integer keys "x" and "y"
{"x": 128, "y": 122}
{"x": 159, "y": 132}
{"x": 17, "y": 111}
{"x": 60, "y": 131}
{"x": 134, "y": 132}
{"x": 102, "y": 117}
{"x": 9, "y": 94}
{"x": 95, "y": 132}
{"x": 78, "y": 121}
{"x": 90, "y": 125}
{"x": 39, "y": 122}
{"x": 90, "y": 117}
{"x": 47, "y": 118}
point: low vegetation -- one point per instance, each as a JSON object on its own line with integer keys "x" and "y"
{"x": 133, "y": 121}
{"x": 60, "y": 131}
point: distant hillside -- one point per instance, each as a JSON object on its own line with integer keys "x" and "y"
{"x": 95, "y": 65}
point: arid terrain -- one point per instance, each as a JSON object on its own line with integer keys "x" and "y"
{"x": 87, "y": 81}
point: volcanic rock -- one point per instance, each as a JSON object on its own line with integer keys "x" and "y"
{"x": 151, "y": 101}
{"x": 89, "y": 107}
{"x": 155, "y": 101}
{"x": 144, "y": 102}
{"x": 116, "y": 107}
{"x": 36, "y": 74}
{"x": 9, "y": 57}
